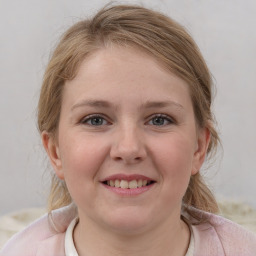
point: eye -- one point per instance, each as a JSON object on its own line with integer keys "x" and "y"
{"x": 94, "y": 120}
{"x": 160, "y": 120}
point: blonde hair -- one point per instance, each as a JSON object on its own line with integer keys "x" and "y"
{"x": 159, "y": 36}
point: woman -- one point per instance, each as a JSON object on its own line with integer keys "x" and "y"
{"x": 125, "y": 118}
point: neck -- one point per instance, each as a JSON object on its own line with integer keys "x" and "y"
{"x": 169, "y": 238}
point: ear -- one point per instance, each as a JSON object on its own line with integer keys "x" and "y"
{"x": 203, "y": 141}
{"x": 52, "y": 149}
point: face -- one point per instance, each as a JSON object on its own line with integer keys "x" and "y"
{"x": 127, "y": 141}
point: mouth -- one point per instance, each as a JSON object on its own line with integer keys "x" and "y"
{"x": 128, "y": 184}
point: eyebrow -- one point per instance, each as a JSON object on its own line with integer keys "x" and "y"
{"x": 146, "y": 105}
{"x": 162, "y": 104}
{"x": 92, "y": 103}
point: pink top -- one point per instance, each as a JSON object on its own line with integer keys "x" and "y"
{"x": 217, "y": 237}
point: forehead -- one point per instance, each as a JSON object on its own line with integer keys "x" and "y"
{"x": 125, "y": 71}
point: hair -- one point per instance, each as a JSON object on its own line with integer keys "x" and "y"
{"x": 159, "y": 36}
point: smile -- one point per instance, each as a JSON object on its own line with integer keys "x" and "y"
{"x": 128, "y": 185}
{"x": 125, "y": 184}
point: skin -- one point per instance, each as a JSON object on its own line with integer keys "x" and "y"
{"x": 127, "y": 89}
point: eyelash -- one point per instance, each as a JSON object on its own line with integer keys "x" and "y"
{"x": 99, "y": 116}
{"x": 91, "y": 117}
{"x": 164, "y": 117}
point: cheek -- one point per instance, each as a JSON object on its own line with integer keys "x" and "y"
{"x": 174, "y": 161}
{"x": 81, "y": 157}
{"x": 175, "y": 153}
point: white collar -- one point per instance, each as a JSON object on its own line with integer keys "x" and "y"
{"x": 70, "y": 249}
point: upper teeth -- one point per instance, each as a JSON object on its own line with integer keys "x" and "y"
{"x": 127, "y": 184}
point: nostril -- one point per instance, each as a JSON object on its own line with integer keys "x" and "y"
{"x": 117, "y": 158}
{"x": 128, "y": 159}
{"x": 129, "y": 150}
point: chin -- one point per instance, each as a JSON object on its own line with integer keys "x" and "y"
{"x": 128, "y": 222}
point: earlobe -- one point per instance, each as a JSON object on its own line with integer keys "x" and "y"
{"x": 203, "y": 141}
{"x": 53, "y": 153}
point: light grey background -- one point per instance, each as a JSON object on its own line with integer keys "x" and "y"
{"x": 225, "y": 33}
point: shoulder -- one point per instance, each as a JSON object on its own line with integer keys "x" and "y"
{"x": 224, "y": 237}
{"x": 234, "y": 238}
{"x": 44, "y": 232}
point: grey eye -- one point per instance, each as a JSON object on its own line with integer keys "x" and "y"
{"x": 160, "y": 120}
{"x": 95, "y": 121}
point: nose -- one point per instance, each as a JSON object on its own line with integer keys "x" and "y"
{"x": 128, "y": 146}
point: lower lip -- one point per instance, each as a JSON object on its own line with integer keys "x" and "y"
{"x": 129, "y": 191}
